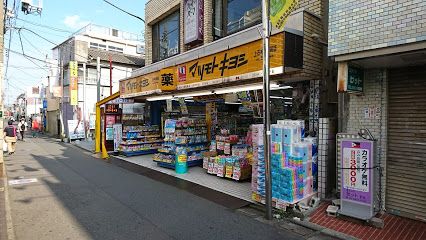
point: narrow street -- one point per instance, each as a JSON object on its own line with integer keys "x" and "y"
{"x": 79, "y": 197}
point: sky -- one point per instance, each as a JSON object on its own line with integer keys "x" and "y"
{"x": 63, "y": 17}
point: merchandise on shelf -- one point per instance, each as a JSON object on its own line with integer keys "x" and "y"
{"x": 184, "y": 135}
{"x": 292, "y": 161}
{"x": 139, "y": 140}
{"x": 232, "y": 161}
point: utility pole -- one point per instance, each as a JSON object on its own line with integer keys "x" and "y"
{"x": 1, "y": 82}
{"x": 266, "y": 108}
{"x": 84, "y": 100}
{"x": 98, "y": 68}
{"x": 110, "y": 75}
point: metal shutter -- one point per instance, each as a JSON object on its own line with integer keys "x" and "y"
{"x": 406, "y": 163}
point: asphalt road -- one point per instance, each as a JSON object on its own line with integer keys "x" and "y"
{"x": 79, "y": 197}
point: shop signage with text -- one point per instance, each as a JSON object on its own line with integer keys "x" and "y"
{"x": 142, "y": 85}
{"x": 73, "y": 68}
{"x": 230, "y": 65}
{"x": 193, "y": 21}
{"x": 239, "y": 63}
{"x": 350, "y": 78}
{"x": 357, "y": 170}
{"x": 168, "y": 79}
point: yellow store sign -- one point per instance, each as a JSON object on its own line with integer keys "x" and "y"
{"x": 243, "y": 62}
{"x": 239, "y": 63}
{"x": 168, "y": 79}
{"x": 138, "y": 86}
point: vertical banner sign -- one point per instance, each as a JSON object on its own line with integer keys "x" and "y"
{"x": 168, "y": 79}
{"x": 73, "y": 68}
{"x": 280, "y": 10}
{"x": 357, "y": 164}
{"x": 193, "y": 21}
{"x": 118, "y": 135}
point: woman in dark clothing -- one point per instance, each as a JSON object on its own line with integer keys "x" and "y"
{"x": 10, "y": 137}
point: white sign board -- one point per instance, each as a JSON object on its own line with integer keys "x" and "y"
{"x": 75, "y": 129}
{"x": 118, "y": 135}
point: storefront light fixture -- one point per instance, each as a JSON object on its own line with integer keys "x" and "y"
{"x": 159, "y": 98}
{"x": 193, "y": 94}
{"x": 284, "y": 98}
{"x": 234, "y": 103}
{"x": 243, "y": 88}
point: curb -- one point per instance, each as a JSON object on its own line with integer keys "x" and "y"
{"x": 9, "y": 222}
{"x": 323, "y": 230}
{"x": 85, "y": 149}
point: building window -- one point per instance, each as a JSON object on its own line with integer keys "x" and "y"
{"x": 165, "y": 37}
{"x": 115, "y": 49}
{"x": 98, "y": 46}
{"x": 231, "y": 16}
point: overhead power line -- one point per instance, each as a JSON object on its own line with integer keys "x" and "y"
{"x": 131, "y": 14}
{"x": 45, "y": 26}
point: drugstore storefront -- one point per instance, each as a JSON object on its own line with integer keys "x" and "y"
{"x": 210, "y": 100}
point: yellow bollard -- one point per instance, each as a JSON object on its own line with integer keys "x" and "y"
{"x": 104, "y": 151}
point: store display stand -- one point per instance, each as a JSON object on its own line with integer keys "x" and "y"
{"x": 185, "y": 133}
{"x": 140, "y": 140}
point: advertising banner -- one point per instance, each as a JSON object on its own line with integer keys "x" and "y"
{"x": 118, "y": 135}
{"x": 357, "y": 164}
{"x": 109, "y": 134}
{"x": 92, "y": 121}
{"x": 75, "y": 129}
{"x": 73, "y": 69}
{"x": 193, "y": 20}
{"x": 280, "y": 10}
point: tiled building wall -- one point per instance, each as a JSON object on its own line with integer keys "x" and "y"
{"x": 370, "y": 24}
{"x": 157, "y": 9}
{"x": 369, "y": 110}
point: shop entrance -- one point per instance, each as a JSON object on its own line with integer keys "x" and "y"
{"x": 406, "y": 163}
{"x": 217, "y": 133}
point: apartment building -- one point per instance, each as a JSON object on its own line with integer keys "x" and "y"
{"x": 119, "y": 53}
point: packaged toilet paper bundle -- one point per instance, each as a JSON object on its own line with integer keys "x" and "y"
{"x": 299, "y": 124}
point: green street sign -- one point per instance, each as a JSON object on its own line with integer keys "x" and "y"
{"x": 355, "y": 81}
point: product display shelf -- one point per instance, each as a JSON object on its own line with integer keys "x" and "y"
{"x": 140, "y": 143}
{"x": 140, "y": 140}
{"x": 137, "y": 153}
{"x": 185, "y": 136}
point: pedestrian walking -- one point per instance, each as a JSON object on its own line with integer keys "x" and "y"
{"x": 22, "y": 128}
{"x": 10, "y": 137}
{"x": 35, "y": 128}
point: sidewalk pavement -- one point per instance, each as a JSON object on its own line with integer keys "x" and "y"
{"x": 85, "y": 145}
{"x": 3, "y": 221}
{"x": 395, "y": 227}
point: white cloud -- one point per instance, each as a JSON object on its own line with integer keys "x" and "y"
{"x": 75, "y": 22}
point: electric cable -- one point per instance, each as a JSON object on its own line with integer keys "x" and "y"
{"x": 45, "y": 26}
{"x": 131, "y": 14}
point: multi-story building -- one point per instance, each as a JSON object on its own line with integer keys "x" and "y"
{"x": 384, "y": 43}
{"x": 196, "y": 47}
{"x": 119, "y": 53}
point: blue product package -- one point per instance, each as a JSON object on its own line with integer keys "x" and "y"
{"x": 315, "y": 176}
{"x": 276, "y": 134}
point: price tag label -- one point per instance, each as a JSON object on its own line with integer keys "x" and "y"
{"x": 182, "y": 158}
